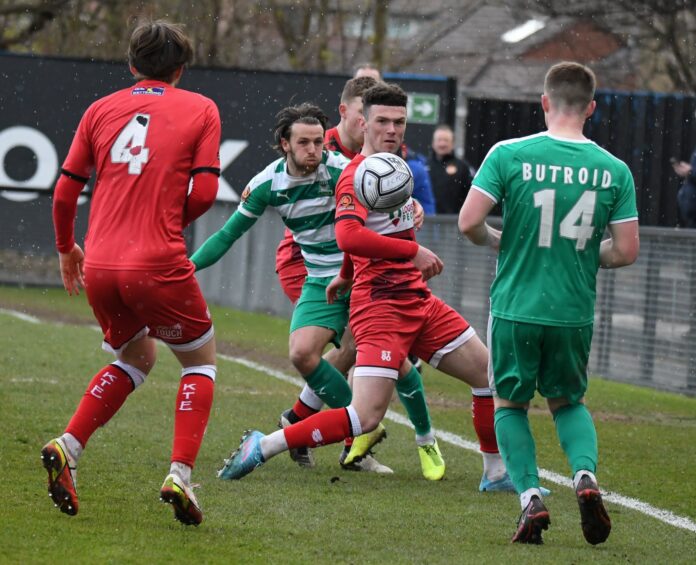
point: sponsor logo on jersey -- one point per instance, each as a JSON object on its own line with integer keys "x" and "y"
{"x": 386, "y": 355}
{"x": 346, "y": 202}
{"x": 154, "y": 90}
{"x": 246, "y": 193}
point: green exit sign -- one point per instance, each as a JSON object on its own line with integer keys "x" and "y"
{"x": 423, "y": 108}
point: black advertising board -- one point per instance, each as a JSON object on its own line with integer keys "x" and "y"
{"x": 42, "y": 100}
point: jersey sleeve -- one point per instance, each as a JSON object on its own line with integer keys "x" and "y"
{"x": 489, "y": 178}
{"x": 256, "y": 196}
{"x": 347, "y": 204}
{"x": 79, "y": 163}
{"x": 625, "y": 208}
{"x": 220, "y": 242}
{"x": 207, "y": 152}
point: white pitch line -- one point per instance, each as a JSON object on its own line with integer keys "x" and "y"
{"x": 632, "y": 503}
{"x": 21, "y": 316}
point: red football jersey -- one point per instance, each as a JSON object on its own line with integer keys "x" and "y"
{"x": 332, "y": 142}
{"x": 145, "y": 142}
{"x": 379, "y": 279}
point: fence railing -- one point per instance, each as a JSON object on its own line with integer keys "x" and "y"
{"x": 645, "y": 318}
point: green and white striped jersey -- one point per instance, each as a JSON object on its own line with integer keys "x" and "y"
{"x": 307, "y": 206}
{"x": 558, "y": 196}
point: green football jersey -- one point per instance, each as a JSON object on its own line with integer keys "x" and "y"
{"x": 557, "y": 196}
{"x": 307, "y": 206}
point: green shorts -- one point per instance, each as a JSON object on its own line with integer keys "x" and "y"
{"x": 525, "y": 357}
{"x": 312, "y": 310}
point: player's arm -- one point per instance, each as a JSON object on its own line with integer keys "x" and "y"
{"x": 472, "y": 219}
{"x": 356, "y": 239}
{"x": 220, "y": 242}
{"x": 622, "y": 247}
{"x": 203, "y": 193}
{"x": 74, "y": 174}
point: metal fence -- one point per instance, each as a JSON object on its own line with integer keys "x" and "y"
{"x": 645, "y": 321}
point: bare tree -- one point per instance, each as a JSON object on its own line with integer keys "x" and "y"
{"x": 663, "y": 32}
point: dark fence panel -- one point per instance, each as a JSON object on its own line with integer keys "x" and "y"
{"x": 644, "y": 130}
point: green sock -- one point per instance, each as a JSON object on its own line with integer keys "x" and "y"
{"x": 517, "y": 447}
{"x": 330, "y": 385}
{"x": 412, "y": 396}
{"x": 578, "y": 437}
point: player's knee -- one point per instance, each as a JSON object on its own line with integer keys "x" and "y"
{"x": 304, "y": 358}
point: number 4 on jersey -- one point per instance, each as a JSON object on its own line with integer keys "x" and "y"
{"x": 582, "y": 212}
{"x": 129, "y": 146}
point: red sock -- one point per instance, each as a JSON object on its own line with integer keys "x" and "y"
{"x": 303, "y": 411}
{"x": 329, "y": 426}
{"x": 193, "y": 403}
{"x": 106, "y": 393}
{"x": 482, "y": 412}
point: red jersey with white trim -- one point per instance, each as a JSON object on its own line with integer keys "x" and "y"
{"x": 145, "y": 142}
{"x": 379, "y": 279}
{"x": 332, "y": 142}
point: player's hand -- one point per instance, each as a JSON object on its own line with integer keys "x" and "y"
{"x": 337, "y": 288}
{"x": 418, "y": 215}
{"x": 427, "y": 263}
{"x": 71, "y": 269}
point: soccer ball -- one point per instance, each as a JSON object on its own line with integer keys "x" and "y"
{"x": 383, "y": 182}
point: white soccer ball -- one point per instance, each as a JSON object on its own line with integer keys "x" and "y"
{"x": 383, "y": 182}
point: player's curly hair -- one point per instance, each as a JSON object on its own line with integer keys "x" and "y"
{"x": 383, "y": 94}
{"x": 305, "y": 113}
{"x": 158, "y": 49}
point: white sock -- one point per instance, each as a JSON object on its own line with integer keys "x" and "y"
{"x": 273, "y": 444}
{"x": 580, "y": 474}
{"x": 527, "y": 495}
{"x": 426, "y": 439}
{"x": 310, "y": 398}
{"x": 182, "y": 471}
{"x": 73, "y": 447}
{"x": 493, "y": 466}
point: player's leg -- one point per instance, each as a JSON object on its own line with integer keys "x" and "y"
{"x": 176, "y": 312}
{"x": 515, "y": 351}
{"x": 449, "y": 344}
{"x": 125, "y": 336}
{"x": 314, "y": 324}
{"x": 564, "y": 370}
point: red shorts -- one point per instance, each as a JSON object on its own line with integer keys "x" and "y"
{"x": 386, "y": 331}
{"x": 290, "y": 267}
{"x": 164, "y": 304}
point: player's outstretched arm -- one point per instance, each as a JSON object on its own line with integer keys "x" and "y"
{"x": 220, "y": 242}
{"x": 622, "y": 247}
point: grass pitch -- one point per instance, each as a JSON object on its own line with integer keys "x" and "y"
{"x": 282, "y": 513}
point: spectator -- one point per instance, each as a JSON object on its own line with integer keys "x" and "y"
{"x": 451, "y": 177}
{"x": 422, "y": 188}
{"x": 686, "y": 197}
{"x": 367, "y": 70}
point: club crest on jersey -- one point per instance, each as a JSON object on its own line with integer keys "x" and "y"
{"x": 246, "y": 193}
{"x": 155, "y": 90}
{"x": 346, "y": 202}
{"x": 325, "y": 187}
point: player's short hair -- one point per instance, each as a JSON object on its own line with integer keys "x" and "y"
{"x": 356, "y": 87}
{"x": 158, "y": 49}
{"x": 305, "y": 113}
{"x": 383, "y": 94}
{"x": 570, "y": 86}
